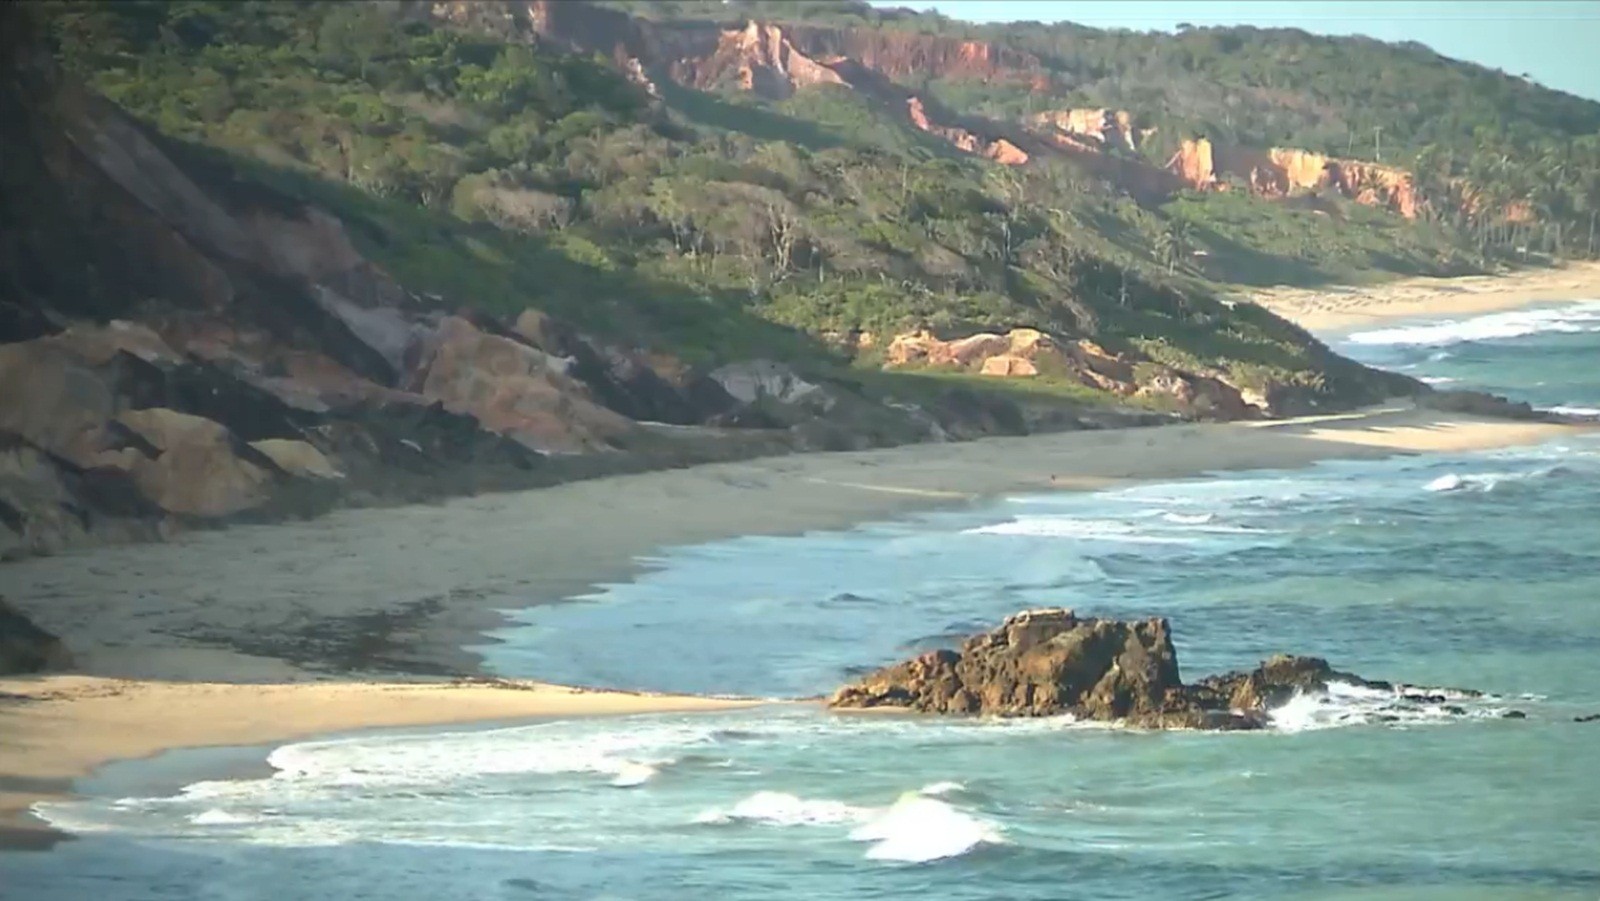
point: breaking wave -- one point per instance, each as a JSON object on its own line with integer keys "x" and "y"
{"x": 1345, "y": 704}
{"x": 1495, "y": 326}
{"x": 916, "y": 828}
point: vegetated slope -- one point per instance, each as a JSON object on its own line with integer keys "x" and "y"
{"x": 497, "y": 165}
{"x": 1503, "y": 161}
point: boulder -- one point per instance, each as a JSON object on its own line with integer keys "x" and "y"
{"x": 1197, "y": 395}
{"x": 26, "y": 648}
{"x": 754, "y": 380}
{"x": 514, "y": 389}
{"x": 1051, "y": 661}
{"x": 1037, "y": 663}
{"x": 190, "y": 465}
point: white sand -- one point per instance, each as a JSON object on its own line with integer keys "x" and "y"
{"x": 1337, "y": 308}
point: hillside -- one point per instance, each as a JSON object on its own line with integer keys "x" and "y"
{"x": 277, "y": 257}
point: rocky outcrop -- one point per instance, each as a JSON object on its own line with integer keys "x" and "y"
{"x": 1052, "y": 662}
{"x": 513, "y": 389}
{"x": 1097, "y": 129}
{"x": 1027, "y": 353}
{"x": 998, "y": 149}
{"x": 761, "y": 59}
{"x": 26, "y": 648}
{"x": 1280, "y": 171}
{"x": 1480, "y": 403}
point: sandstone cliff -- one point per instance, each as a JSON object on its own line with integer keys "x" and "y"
{"x": 1278, "y": 171}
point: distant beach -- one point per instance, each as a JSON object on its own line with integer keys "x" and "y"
{"x": 1343, "y": 306}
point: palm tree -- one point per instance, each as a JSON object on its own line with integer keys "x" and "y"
{"x": 1172, "y": 244}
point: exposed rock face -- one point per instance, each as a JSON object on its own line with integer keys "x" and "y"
{"x": 763, "y": 60}
{"x": 1278, "y": 171}
{"x": 1103, "y": 128}
{"x": 1049, "y": 662}
{"x": 1025, "y": 352}
{"x": 998, "y": 149}
{"x": 513, "y": 389}
{"x": 26, "y": 648}
{"x": 753, "y": 381}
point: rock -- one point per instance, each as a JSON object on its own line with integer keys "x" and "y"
{"x": 1196, "y": 394}
{"x": 190, "y": 465}
{"x": 1037, "y": 663}
{"x": 1008, "y": 366}
{"x": 298, "y": 458}
{"x": 1051, "y": 661}
{"x": 1513, "y": 715}
{"x": 26, "y": 648}
{"x": 1478, "y": 403}
{"x": 514, "y": 389}
{"x": 755, "y": 380}
{"x": 1277, "y": 679}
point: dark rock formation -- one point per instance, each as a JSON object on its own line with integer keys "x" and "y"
{"x": 1479, "y": 403}
{"x": 1047, "y": 662}
{"x": 26, "y": 648}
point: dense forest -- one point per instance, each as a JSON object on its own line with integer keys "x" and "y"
{"x": 493, "y": 169}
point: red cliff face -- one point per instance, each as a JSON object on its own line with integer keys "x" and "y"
{"x": 903, "y": 54}
{"x": 775, "y": 61}
{"x": 1277, "y": 172}
{"x": 1000, "y": 150}
{"x": 759, "y": 58}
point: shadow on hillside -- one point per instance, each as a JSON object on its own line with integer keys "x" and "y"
{"x": 454, "y": 264}
{"x": 1231, "y": 261}
{"x": 706, "y": 109}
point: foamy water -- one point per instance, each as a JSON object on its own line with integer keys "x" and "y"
{"x": 1476, "y": 570}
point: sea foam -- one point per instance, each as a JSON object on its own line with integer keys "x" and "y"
{"x": 918, "y": 829}
{"x": 1583, "y": 317}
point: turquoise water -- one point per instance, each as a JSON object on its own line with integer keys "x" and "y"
{"x": 1479, "y": 570}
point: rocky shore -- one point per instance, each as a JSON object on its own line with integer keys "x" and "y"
{"x": 1051, "y": 662}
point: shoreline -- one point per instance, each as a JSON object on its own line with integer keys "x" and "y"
{"x": 1341, "y": 308}
{"x": 187, "y": 624}
{"x": 64, "y": 727}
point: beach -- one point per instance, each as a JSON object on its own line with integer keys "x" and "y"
{"x": 1346, "y": 306}
{"x": 264, "y": 634}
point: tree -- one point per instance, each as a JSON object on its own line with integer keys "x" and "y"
{"x": 354, "y": 31}
{"x": 1172, "y": 244}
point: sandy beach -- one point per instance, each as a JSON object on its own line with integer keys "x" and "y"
{"x": 265, "y": 634}
{"x": 1345, "y": 307}
{"x": 249, "y": 636}
{"x": 63, "y": 727}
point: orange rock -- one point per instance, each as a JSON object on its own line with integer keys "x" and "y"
{"x": 1193, "y": 164}
{"x": 1009, "y": 365}
{"x": 513, "y": 389}
{"x": 1000, "y": 150}
{"x": 1102, "y": 127}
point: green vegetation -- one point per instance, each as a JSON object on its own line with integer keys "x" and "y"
{"x": 1519, "y": 150}
{"x": 721, "y": 226}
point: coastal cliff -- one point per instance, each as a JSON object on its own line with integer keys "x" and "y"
{"x": 444, "y": 250}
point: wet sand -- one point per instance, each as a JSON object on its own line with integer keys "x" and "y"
{"x": 265, "y": 634}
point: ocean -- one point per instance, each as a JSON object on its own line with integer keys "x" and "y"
{"x": 1479, "y": 570}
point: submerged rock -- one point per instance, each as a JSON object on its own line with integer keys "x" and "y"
{"x": 1051, "y": 661}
